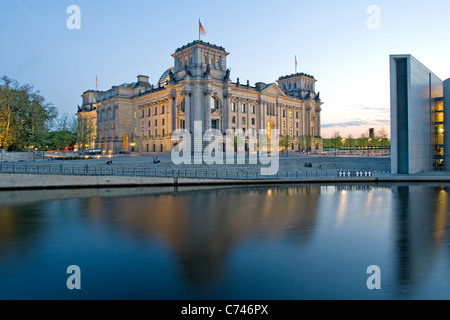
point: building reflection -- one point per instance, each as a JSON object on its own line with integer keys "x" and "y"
{"x": 203, "y": 227}
{"x": 421, "y": 225}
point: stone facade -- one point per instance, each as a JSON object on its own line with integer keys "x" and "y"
{"x": 141, "y": 117}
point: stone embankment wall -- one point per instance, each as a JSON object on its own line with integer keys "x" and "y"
{"x": 15, "y": 156}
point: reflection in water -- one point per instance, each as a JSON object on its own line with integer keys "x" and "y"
{"x": 317, "y": 236}
{"x": 204, "y": 228}
{"x": 421, "y": 230}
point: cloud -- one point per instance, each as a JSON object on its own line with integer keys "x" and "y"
{"x": 356, "y": 123}
{"x": 27, "y": 10}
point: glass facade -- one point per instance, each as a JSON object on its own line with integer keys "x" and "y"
{"x": 438, "y": 118}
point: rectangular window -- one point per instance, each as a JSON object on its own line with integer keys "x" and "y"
{"x": 253, "y": 121}
{"x": 162, "y": 111}
{"x": 156, "y": 122}
{"x": 163, "y": 132}
{"x": 253, "y": 109}
{"x": 243, "y": 107}
{"x": 149, "y": 112}
{"x": 233, "y": 107}
{"x": 142, "y": 114}
{"x": 135, "y": 114}
{"x": 233, "y": 120}
{"x": 284, "y": 124}
{"x": 163, "y": 121}
{"x": 243, "y": 120}
{"x": 149, "y": 123}
{"x": 296, "y": 114}
{"x": 156, "y": 132}
{"x": 156, "y": 111}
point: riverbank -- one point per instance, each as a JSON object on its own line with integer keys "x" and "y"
{"x": 17, "y": 181}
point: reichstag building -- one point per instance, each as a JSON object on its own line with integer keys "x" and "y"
{"x": 140, "y": 116}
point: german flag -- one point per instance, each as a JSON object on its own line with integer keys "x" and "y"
{"x": 201, "y": 30}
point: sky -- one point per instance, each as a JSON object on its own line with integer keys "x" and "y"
{"x": 345, "y": 45}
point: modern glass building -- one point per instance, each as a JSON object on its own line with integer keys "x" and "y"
{"x": 418, "y": 124}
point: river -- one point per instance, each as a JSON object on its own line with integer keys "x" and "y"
{"x": 290, "y": 242}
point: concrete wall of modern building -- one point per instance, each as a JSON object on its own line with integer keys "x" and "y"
{"x": 413, "y": 87}
{"x": 447, "y": 125}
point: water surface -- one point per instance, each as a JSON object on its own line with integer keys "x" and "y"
{"x": 263, "y": 242}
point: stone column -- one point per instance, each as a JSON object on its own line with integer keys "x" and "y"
{"x": 207, "y": 117}
{"x": 198, "y": 103}
{"x": 238, "y": 117}
{"x": 187, "y": 109}
{"x": 304, "y": 133}
{"x": 318, "y": 121}
{"x": 226, "y": 113}
{"x": 172, "y": 116}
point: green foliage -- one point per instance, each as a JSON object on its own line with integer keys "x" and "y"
{"x": 25, "y": 117}
{"x": 304, "y": 142}
{"x": 380, "y": 140}
{"x": 285, "y": 142}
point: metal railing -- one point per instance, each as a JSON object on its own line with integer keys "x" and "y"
{"x": 182, "y": 173}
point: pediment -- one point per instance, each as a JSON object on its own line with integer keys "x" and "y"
{"x": 273, "y": 89}
{"x": 216, "y": 112}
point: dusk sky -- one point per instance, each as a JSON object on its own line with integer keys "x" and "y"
{"x": 341, "y": 43}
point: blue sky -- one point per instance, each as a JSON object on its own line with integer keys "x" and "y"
{"x": 119, "y": 40}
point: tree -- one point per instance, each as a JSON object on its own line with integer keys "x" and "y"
{"x": 363, "y": 141}
{"x": 349, "y": 143}
{"x": 25, "y": 117}
{"x": 65, "y": 135}
{"x": 85, "y": 132}
{"x": 304, "y": 142}
{"x": 337, "y": 141}
{"x": 285, "y": 142}
{"x": 382, "y": 139}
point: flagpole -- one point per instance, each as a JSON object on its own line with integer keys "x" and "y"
{"x": 296, "y": 64}
{"x": 199, "y": 29}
